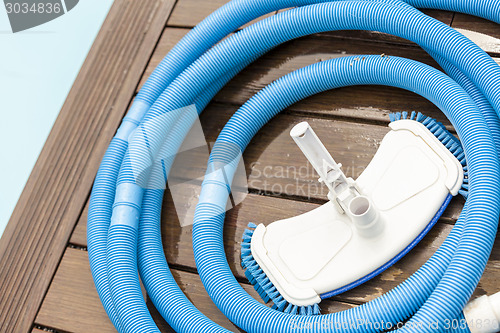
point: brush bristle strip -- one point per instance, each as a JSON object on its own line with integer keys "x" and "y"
{"x": 263, "y": 285}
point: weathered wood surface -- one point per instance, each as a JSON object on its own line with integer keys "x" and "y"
{"x": 266, "y": 209}
{"x": 351, "y": 122}
{"x": 72, "y": 304}
{"x": 51, "y": 203}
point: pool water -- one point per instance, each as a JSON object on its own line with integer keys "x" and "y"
{"x": 37, "y": 69}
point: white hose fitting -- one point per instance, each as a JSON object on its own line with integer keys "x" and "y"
{"x": 483, "y": 314}
{"x": 365, "y": 216}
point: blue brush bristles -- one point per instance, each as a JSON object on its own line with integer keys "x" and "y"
{"x": 258, "y": 277}
{"x": 447, "y": 139}
{"x": 263, "y": 285}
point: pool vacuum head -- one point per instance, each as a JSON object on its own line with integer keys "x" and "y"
{"x": 367, "y": 224}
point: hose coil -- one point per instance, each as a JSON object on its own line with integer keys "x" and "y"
{"x": 124, "y": 214}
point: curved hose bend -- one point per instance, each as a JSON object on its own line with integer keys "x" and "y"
{"x": 464, "y": 271}
{"x": 177, "y": 90}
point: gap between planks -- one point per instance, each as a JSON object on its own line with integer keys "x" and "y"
{"x": 52, "y": 201}
{"x": 73, "y": 281}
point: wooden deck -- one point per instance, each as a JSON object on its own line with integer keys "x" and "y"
{"x": 46, "y": 281}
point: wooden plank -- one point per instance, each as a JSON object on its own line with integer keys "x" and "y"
{"x": 443, "y": 16}
{"x": 72, "y": 304}
{"x": 297, "y": 54}
{"x": 476, "y": 24}
{"x": 188, "y": 13}
{"x": 366, "y": 102}
{"x": 79, "y": 235}
{"x": 484, "y": 33}
{"x": 258, "y": 209}
{"x": 372, "y": 103}
{"x": 49, "y": 207}
{"x": 274, "y": 164}
{"x": 261, "y": 209}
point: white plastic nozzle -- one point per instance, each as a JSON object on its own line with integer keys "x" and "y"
{"x": 313, "y": 149}
{"x": 342, "y": 189}
{"x": 483, "y": 314}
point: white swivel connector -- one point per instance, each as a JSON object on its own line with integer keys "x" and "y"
{"x": 343, "y": 191}
{"x": 365, "y": 216}
{"x": 483, "y": 314}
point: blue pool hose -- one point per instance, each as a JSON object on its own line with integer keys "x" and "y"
{"x": 195, "y": 70}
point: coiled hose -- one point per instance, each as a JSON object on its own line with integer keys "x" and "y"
{"x": 127, "y": 187}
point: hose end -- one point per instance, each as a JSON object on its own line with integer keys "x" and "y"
{"x": 483, "y": 314}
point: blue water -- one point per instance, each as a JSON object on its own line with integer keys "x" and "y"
{"x": 37, "y": 69}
